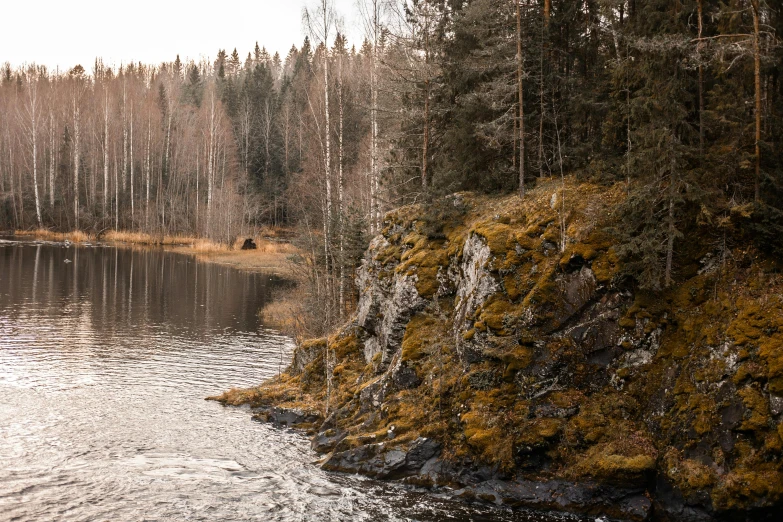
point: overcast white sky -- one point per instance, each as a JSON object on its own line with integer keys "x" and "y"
{"x": 64, "y": 33}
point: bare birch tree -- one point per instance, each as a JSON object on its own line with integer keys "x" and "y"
{"x": 29, "y": 122}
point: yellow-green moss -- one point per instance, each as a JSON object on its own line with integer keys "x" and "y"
{"x": 517, "y": 359}
{"x": 742, "y": 489}
{"x": 757, "y": 406}
{"x": 689, "y": 476}
{"x": 496, "y": 235}
{"x": 623, "y": 459}
{"x": 313, "y": 343}
{"x": 771, "y": 352}
{"x": 498, "y": 314}
{"x": 418, "y": 337}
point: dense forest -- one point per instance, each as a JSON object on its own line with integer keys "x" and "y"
{"x": 681, "y": 99}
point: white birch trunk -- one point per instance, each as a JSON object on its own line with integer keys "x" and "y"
{"x": 34, "y": 135}
{"x": 76, "y": 161}
{"x": 124, "y": 140}
{"x": 133, "y": 208}
{"x": 147, "y": 180}
{"x": 52, "y": 159}
{"x": 106, "y": 153}
{"x": 340, "y": 185}
{"x": 327, "y": 136}
{"x": 210, "y": 160}
{"x": 374, "y": 207}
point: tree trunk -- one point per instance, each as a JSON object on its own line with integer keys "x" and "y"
{"x": 670, "y": 240}
{"x": 148, "y": 173}
{"x": 340, "y": 185}
{"x": 133, "y": 208}
{"x": 374, "y": 208}
{"x": 327, "y": 136}
{"x": 757, "y": 82}
{"x": 106, "y": 153}
{"x": 520, "y": 98}
{"x": 542, "y": 106}
{"x": 17, "y": 213}
{"x": 52, "y": 159}
{"x": 76, "y": 161}
{"x": 210, "y": 161}
{"x": 34, "y": 135}
{"x": 701, "y": 80}
{"x": 116, "y": 193}
{"x": 124, "y": 139}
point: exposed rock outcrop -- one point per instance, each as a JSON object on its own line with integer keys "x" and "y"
{"x": 483, "y": 357}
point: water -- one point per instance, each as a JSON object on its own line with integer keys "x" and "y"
{"x": 106, "y": 355}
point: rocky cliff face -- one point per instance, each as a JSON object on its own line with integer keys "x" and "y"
{"x": 485, "y": 356}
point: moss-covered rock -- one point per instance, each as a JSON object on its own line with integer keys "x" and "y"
{"x": 523, "y": 362}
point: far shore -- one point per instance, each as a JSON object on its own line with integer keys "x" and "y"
{"x": 270, "y": 256}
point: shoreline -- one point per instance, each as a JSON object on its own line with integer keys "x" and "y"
{"x": 270, "y": 256}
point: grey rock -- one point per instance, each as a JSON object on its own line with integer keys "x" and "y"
{"x": 577, "y": 289}
{"x": 404, "y": 377}
{"x": 382, "y": 461}
{"x": 326, "y": 440}
{"x": 384, "y": 310}
{"x": 476, "y": 283}
{"x": 776, "y": 405}
{"x": 420, "y": 452}
{"x": 289, "y": 417}
{"x": 303, "y": 357}
{"x": 583, "y": 497}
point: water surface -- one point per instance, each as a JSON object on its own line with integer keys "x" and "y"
{"x": 106, "y": 355}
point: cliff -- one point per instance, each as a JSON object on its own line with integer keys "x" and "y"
{"x": 490, "y": 354}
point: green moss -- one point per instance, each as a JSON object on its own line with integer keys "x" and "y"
{"x": 313, "y": 343}
{"x": 757, "y": 407}
{"x": 417, "y": 338}
{"x": 627, "y": 322}
{"x": 512, "y": 287}
{"x": 689, "y": 476}
{"x": 496, "y": 234}
{"x": 518, "y": 359}
{"x": 749, "y": 324}
{"x": 499, "y": 314}
{"x": 742, "y": 488}
{"x": 345, "y": 345}
{"x": 613, "y": 462}
{"x": 771, "y": 352}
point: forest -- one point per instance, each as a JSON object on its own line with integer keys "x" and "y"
{"x": 680, "y": 99}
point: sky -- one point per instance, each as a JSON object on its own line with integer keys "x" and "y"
{"x": 62, "y": 34}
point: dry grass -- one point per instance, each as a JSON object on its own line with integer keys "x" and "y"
{"x": 140, "y": 238}
{"x": 205, "y": 246}
{"x": 251, "y": 260}
{"x": 285, "y": 314}
{"x": 270, "y": 256}
{"x": 274, "y": 247}
{"x": 77, "y": 236}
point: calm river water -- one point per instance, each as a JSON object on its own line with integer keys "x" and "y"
{"x": 106, "y": 355}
